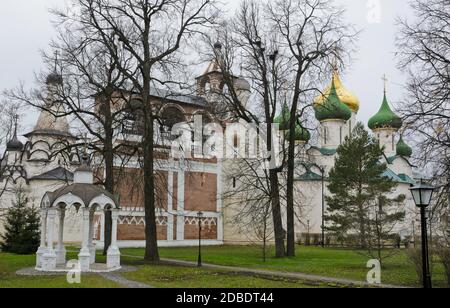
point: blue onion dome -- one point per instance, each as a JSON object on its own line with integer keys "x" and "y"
{"x": 332, "y": 108}
{"x": 385, "y": 118}
{"x": 283, "y": 119}
{"x": 403, "y": 149}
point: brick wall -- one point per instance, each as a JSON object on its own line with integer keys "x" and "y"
{"x": 200, "y": 192}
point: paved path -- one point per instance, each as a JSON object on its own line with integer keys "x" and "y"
{"x": 112, "y": 276}
{"x": 296, "y": 276}
{"x": 117, "y": 278}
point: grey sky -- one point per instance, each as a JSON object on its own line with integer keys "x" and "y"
{"x": 25, "y": 29}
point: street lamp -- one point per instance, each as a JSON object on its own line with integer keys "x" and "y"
{"x": 422, "y": 194}
{"x": 322, "y": 171}
{"x": 200, "y": 216}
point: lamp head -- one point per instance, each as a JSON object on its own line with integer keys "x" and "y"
{"x": 422, "y": 194}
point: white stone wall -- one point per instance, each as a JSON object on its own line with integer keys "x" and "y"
{"x": 387, "y": 139}
{"x": 332, "y": 133}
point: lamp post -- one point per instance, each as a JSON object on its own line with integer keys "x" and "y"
{"x": 322, "y": 171}
{"x": 422, "y": 194}
{"x": 200, "y": 216}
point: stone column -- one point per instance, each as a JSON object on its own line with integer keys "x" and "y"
{"x": 61, "y": 250}
{"x": 85, "y": 255}
{"x": 49, "y": 257}
{"x": 43, "y": 246}
{"x": 102, "y": 230}
{"x": 91, "y": 244}
{"x": 113, "y": 256}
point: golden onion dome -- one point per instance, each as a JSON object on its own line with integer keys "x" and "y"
{"x": 344, "y": 95}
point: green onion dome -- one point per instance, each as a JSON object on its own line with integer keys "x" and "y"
{"x": 283, "y": 118}
{"x": 385, "y": 118}
{"x": 332, "y": 108}
{"x": 301, "y": 134}
{"x": 403, "y": 149}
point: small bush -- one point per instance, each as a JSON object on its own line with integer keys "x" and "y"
{"x": 415, "y": 257}
{"x": 444, "y": 255}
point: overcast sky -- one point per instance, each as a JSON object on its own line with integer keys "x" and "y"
{"x": 25, "y": 29}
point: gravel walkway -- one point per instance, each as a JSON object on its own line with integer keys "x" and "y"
{"x": 112, "y": 276}
{"x": 117, "y": 278}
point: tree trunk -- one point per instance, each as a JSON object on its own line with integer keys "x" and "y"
{"x": 108, "y": 155}
{"x": 109, "y": 186}
{"x": 151, "y": 241}
{"x": 290, "y": 170}
{"x": 276, "y": 215}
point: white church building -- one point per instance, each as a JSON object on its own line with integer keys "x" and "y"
{"x": 39, "y": 167}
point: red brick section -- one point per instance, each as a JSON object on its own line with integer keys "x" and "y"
{"x": 200, "y": 192}
{"x": 129, "y": 184}
{"x": 208, "y": 233}
{"x": 161, "y": 191}
{"x": 137, "y": 232}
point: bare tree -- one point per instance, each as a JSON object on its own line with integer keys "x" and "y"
{"x": 287, "y": 47}
{"x": 9, "y": 125}
{"x": 244, "y": 46}
{"x": 313, "y": 35}
{"x": 424, "y": 54}
{"x": 149, "y": 34}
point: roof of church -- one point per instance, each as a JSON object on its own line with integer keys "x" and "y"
{"x": 179, "y": 97}
{"x": 385, "y": 117}
{"x": 332, "y": 108}
{"x": 49, "y": 132}
{"x": 398, "y": 178}
{"x": 403, "y": 149}
{"x": 344, "y": 95}
{"x": 59, "y": 173}
{"x": 325, "y": 151}
{"x": 309, "y": 176}
{"x": 50, "y": 124}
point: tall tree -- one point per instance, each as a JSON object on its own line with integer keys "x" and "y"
{"x": 424, "y": 54}
{"x": 313, "y": 34}
{"x": 245, "y": 42}
{"x": 359, "y": 203}
{"x": 149, "y": 33}
{"x": 286, "y": 47}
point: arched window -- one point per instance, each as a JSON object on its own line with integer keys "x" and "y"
{"x": 207, "y": 87}
{"x": 133, "y": 123}
{"x": 169, "y": 117}
{"x": 325, "y": 137}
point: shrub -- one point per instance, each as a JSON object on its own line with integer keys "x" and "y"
{"x": 22, "y": 222}
{"x": 415, "y": 257}
{"x": 444, "y": 255}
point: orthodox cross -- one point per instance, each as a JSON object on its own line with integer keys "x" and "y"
{"x": 16, "y": 119}
{"x": 385, "y": 80}
{"x": 56, "y": 60}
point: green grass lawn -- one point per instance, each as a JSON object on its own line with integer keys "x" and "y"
{"x": 154, "y": 275}
{"x": 338, "y": 263}
{"x": 10, "y": 263}
{"x": 161, "y": 276}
